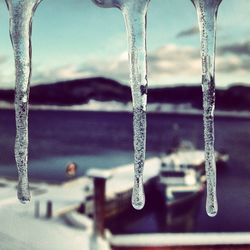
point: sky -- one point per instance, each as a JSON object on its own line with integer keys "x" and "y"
{"x": 76, "y": 39}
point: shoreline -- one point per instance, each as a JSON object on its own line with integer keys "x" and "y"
{"x": 6, "y": 178}
{"x": 120, "y": 108}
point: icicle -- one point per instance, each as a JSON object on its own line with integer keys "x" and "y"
{"x": 21, "y": 12}
{"x": 134, "y": 12}
{"x": 207, "y": 15}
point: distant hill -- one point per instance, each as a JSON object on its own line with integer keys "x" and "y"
{"x": 74, "y": 92}
{"x": 81, "y": 91}
{"x": 236, "y": 97}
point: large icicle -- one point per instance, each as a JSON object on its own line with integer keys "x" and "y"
{"x": 135, "y": 18}
{"x": 207, "y": 15}
{"x": 20, "y": 13}
{"x": 134, "y": 12}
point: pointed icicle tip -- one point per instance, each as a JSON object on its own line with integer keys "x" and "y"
{"x": 212, "y": 210}
{"x": 138, "y": 203}
{"x": 138, "y": 197}
{"x": 24, "y": 200}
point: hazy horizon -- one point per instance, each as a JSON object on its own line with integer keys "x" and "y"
{"x": 153, "y": 86}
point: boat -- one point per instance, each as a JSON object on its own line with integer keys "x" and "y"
{"x": 182, "y": 174}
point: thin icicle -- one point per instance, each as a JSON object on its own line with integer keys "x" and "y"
{"x": 20, "y": 14}
{"x": 207, "y": 15}
{"x": 134, "y": 12}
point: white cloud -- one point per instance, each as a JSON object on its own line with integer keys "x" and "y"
{"x": 169, "y": 64}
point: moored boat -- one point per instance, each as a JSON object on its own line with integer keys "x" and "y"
{"x": 182, "y": 174}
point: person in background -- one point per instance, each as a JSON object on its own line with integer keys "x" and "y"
{"x": 71, "y": 169}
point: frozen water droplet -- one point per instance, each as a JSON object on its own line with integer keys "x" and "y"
{"x": 23, "y": 192}
{"x": 207, "y": 14}
{"x": 138, "y": 197}
{"x": 20, "y": 15}
{"x": 134, "y": 13}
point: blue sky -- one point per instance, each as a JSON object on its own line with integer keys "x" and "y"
{"x": 74, "y": 39}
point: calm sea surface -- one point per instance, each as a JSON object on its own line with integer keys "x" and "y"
{"x": 103, "y": 140}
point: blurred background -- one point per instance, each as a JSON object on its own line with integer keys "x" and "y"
{"x": 81, "y": 113}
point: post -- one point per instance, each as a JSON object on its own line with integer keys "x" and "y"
{"x": 37, "y": 209}
{"x": 99, "y": 207}
{"x": 99, "y": 180}
{"x": 49, "y": 210}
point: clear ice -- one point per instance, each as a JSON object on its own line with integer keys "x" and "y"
{"x": 20, "y": 16}
{"x": 134, "y": 12}
{"x": 207, "y": 15}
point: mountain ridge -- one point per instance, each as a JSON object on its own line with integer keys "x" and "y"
{"x": 81, "y": 91}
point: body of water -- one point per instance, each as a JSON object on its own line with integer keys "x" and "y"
{"x": 104, "y": 140}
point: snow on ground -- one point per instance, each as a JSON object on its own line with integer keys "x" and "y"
{"x": 21, "y": 230}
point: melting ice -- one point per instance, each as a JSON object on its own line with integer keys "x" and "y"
{"x": 20, "y": 15}
{"x": 134, "y": 13}
{"x": 207, "y": 15}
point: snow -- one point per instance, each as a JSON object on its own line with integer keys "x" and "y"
{"x": 122, "y": 179}
{"x": 114, "y": 106}
{"x": 20, "y": 229}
